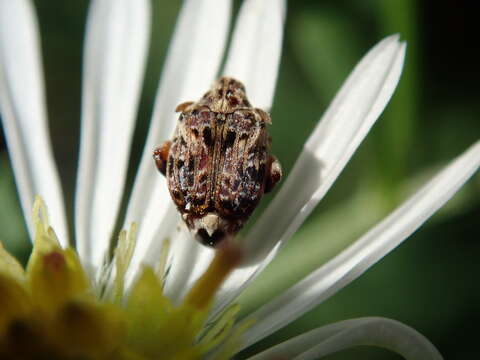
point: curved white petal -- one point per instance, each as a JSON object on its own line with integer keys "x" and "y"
{"x": 23, "y": 113}
{"x": 115, "y": 50}
{"x": 238, "y": 281}
{"x": 191, "y": 66}
{"x": 373, "y": 331}
{"x": 253, "y": 58}
{"x": 345, "y": 123}
{"x": 366, "y": 251}
{"x": 256, "y": 47}
{"x": 189, "y": 261}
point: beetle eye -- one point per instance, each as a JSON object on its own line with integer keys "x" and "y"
{"x": 212, "y": 241}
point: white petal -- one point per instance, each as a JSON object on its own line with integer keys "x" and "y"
{"x": 115, "y": 51}
{"x": 346, "y": 122}
{"x": 189, "y": 261}
{"x": 366, "y": 251}
{"x": 371, "y": 331}
{"x": 24, "y": 116}
{"x": 253, "y": 58}
{"x": 191, "y": 66}
{"x": 256, "y": 47}
{"x": 237, "y": 282}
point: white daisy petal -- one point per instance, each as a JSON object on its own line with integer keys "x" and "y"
{"x": 237, "y": 282}
{"x": 115, "y": 50}
{"x": 189, "y": 261}
{"x": 256, "y": 47}
{"x": 24, "y": 116}
{"x": 253, "y": 58}
{"x": 192, "y": 64}
{"x": 371, "y": 331}
{"x": 179, "y": 274}
{"x": 346, "y": 122}
{"x": 367, "y": 250}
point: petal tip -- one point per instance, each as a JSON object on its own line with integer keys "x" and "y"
{"x": 394, "y": 37}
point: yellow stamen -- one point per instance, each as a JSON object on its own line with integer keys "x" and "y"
{"x": 228, "y": 256}
{"x": 85, "y": 327}
{"x": 234, "y": 340}
{"x": 55, "y": 278}
{"x": 160, "y": 267}
{"x": 123, "y": 256}
{"x": 39, "y": 213}
{"x": 14, "y": 301}
{"x": 51, "y": 310}
{"x": 221, "y": 328}
{"x": 10, "y": 266}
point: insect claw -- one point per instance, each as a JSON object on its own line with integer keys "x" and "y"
{"x": 274, "y": 175}
{"x": 160, "y": 155}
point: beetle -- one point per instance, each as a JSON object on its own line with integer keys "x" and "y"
{"x": 218, "y": 164}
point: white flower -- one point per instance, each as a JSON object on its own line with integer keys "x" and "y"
{"x": 115, "y": 50}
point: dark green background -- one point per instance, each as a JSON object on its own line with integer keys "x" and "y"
{"x": 430, "y": 282}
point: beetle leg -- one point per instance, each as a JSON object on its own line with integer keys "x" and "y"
{"x": 274, "y": 173}
{"x": 264, "y": 116}
{"x": 160, "y": 155}
{"x": 183, "y": 106}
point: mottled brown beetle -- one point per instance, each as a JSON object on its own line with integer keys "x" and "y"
{"x": 218, "y": 164}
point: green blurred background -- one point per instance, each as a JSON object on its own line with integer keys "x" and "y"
{"x": 429, "y": 282}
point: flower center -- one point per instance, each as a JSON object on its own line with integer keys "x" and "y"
{"x": 50, "y": 310}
